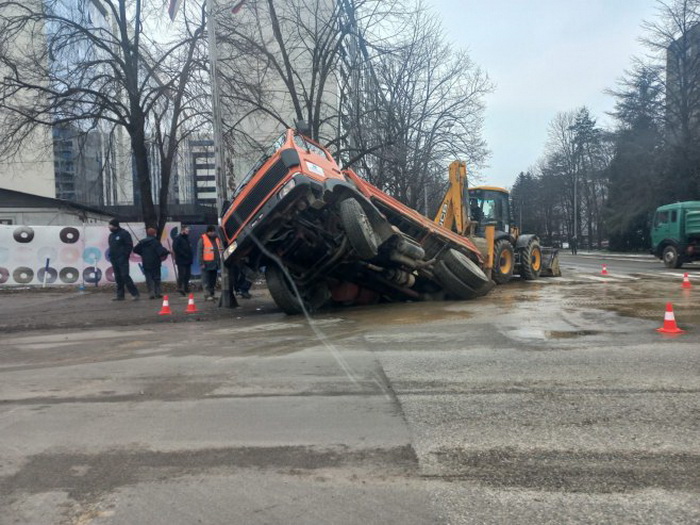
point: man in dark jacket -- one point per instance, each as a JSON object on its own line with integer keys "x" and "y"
{"x": 120, "y": 246}
{"x": 182, "y": 249}
{"x": 152, "y": 254}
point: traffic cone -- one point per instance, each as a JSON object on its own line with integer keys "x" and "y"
{"x": 670, "y": 326}
{"x": 191, "y": 307}
{"x": 686, "y": 281}
{"x": 165, "y": 310}
{"x": 605, "y": 270}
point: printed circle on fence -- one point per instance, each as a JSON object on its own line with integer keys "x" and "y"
{"x": 4, "y": 275}
{"x": 70, "y": 254}
{"x": 47, "y": 252}
{"x": 109, "y": 274}
{"x": 69, "y": 275}
{"x": 23, "y": 275}
{"x": 69, "y": 235}
{"x": 92, "y": 275}
{"x": 23, "y": 234}
{"x": 51, "y": 275}
{"x": 92, "y": 255}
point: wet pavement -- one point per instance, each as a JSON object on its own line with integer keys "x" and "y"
{"x": 547, "y": 402}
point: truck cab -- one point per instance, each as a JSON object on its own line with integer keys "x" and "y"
{"x": 675, "y": 233}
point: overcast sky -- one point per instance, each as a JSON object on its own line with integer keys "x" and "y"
{"x": 545, "y": 56}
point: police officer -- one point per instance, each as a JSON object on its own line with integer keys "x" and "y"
{"x": 120, "y": 246}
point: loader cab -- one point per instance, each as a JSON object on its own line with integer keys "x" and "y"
{"x": 489, "y": 205}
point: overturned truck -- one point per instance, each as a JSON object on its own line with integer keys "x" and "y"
{"x": 322, "y": 235}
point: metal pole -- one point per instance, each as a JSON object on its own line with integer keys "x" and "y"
{"x": 219, "y": 158}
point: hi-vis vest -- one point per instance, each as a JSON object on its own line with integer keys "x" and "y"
{"x": 208, "y": 248}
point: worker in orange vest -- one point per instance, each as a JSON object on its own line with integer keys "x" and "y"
{"x": 209, "y": 253}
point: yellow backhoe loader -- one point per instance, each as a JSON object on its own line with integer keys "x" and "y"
{"x": 483, "y": 214}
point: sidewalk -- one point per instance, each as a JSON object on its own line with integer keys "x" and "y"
{"x": 68, "y": 308}
{"x": 610, "y": 255}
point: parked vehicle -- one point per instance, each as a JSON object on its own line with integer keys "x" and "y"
{"x": 675, "y": 233}
{"x": 323, "y": 234}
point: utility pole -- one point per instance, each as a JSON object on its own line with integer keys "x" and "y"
{"x": 227, "y": 298}
{"x": 219, "y": 159}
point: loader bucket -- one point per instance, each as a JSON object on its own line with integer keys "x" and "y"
{"x": 550, "y": 262}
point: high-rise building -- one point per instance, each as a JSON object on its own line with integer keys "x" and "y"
{"x": 78, "y": 165}
{"x": 200, "y": 170}
{"x": 29, "y": 167}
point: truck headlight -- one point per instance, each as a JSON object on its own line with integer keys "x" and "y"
{"x": 289, "y": 186}
{"x": 230, "y": 249}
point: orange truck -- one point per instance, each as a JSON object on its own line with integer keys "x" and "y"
{"x": 323, "y": 235}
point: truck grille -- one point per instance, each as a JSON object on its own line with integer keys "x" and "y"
{"x": 256, "y": 196}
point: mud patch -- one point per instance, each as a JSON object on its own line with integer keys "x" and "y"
{"x": 85, "y": 477}
{"x": 562, "y": 334}
{"x": 565, "y": 471}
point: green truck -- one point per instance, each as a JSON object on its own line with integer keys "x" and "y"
{"x": 675, "y": 233}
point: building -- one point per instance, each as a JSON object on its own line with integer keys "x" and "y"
{"x": 78, "y": 165}
{"x": 200, "y": 166}
{"x": 27, "y": 168}
{"x": 21, "y": 208}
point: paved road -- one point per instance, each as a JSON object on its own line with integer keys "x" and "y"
{"x": 644, "y": 264}
{"x": 548, "y": 402}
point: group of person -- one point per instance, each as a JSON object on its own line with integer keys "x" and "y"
{"x": 153, "y": 253}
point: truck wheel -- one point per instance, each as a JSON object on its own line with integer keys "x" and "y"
{"x": 531, "y": 261}
{"x": 452, "y": 285}
{"x": 283, "y": 294}
{"x": 465, "y": 269}
{"x": 503, "y": 261}
{"x": 358, "y": 229}
{"x": 670, "y": 257}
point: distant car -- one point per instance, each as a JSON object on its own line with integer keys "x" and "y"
{"x": 324, "y": 235}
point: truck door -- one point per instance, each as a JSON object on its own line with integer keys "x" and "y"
{"x": 662, "y": 226}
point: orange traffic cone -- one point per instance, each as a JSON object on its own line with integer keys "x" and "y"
{"x": 165, "y": 310}
{"x": 686, "y": 281}
{"x": 605, "y": 270}
{"x": 191, "y": 307}
{"x": 670, "y": 326}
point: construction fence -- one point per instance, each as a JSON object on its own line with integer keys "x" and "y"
{"x": 77, "y": 256}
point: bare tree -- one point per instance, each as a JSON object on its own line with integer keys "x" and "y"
{"x": 674, "y": 38}
{"x": 99, "y": 68}
{"x": 427, "y": 109}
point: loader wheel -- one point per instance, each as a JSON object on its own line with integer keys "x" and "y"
{"x": 503, "y": 261}
{"x": 531, "y": 261}
{"x": 452, "y": 285}
{"x": 289, "y": 302}
{"x": 464, "y": 269}
{"x": 358, "y": 229}
{"x": 670, "y": 257}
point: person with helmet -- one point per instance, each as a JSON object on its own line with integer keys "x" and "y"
{"x": 209, "y": 254}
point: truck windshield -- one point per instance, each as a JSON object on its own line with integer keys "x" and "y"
{"x": 259, "y": 163}
{"x": 309, "y": 146}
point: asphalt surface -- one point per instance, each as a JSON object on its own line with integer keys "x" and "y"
{"x": 547, "y": 402}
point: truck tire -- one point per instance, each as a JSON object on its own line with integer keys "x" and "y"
{"x": 358, "y": 229}
{"x": 503, "y": 261}
{"x": 465, "y": 269}
{"x": 452, "y": 285}
{"x": 283, "y": 294}
{"x": 531, "y": 261}
{"x": 671, "y": 258}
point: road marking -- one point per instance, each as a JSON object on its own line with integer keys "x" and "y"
{"x": 601, "y": 278}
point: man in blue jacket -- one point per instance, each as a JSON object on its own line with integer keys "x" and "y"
{"x": 120, "y": 246}
{"x": 152, "y": 255}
